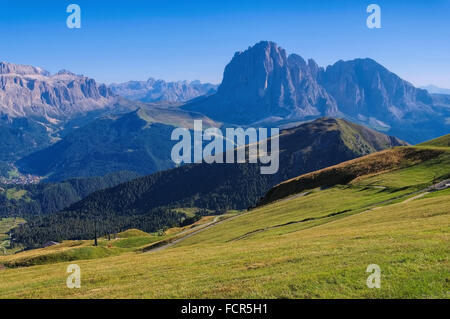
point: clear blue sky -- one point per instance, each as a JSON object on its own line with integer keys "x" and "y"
{"x": 175, "y": 40}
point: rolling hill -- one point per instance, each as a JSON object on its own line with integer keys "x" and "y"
{"x": 218, "y": 187}
{"x": 443, "y": 141}
{"x": 315, "y": 245}
{"x": 138, "y": 141}
{"x": 305, "y": 148}
{"x": 346, "y": 172}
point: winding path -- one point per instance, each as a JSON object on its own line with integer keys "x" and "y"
{"x": 190, "y": 232}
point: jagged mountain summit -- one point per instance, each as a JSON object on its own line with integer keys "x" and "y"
{"x": 265, "y": 84}
{"x": 154, "y": 90}
{"x": 31, "y": 91}
{"x": 365, "y": 89}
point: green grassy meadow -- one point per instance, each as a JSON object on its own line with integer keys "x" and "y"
{"x": 13, "y": 193}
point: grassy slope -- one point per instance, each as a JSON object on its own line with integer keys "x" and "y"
{"x": 313, "y": 246}
{"x": 6, "y": 224}
{"x": 13, "y": 193}
{"x": 443, "y": 141}
{"x": 346, "y": 172}
{"x": 131, "y": 240}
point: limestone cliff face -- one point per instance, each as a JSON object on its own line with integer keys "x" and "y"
{"x": 364, "y": 88}
{"x": 258, "y": 81}
{"x": 263, "y": 82}
{"x": 310, "y": 97}
{"x": 31, "y": 91}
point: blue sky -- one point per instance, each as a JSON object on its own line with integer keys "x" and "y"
{"x": 187, "y": 40}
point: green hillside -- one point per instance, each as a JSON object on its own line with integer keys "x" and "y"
{"x": 313, "y": 244}
{"x": 443, "y": 141}
{"x": 6, "y": 224}
{"x": 20, "y": 137}
{"x": 130, "y": 142}
{"x": 346, "y": 172}
{"x": 151, "y": 201}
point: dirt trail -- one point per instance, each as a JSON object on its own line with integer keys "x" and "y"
{"x": 191, "y": 232}
{"x": 415, "y": 197}
{"x": 433, "y": 188}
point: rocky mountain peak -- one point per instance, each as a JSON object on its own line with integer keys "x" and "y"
{"x": 65, "y": 72}
{"x": 364, "y": 88}
{"x": 264, "y": 82}
{"x": 10, "y": 68}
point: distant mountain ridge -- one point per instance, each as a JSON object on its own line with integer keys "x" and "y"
{"x": 137, "y": 141}
{"x": 146, "y": 201}
{"x": 365, "y": 89}
{"x": 154, "y": 90}
{"x": 304, "y": 148}
{"x": 433, "y": 89}
{"x": 262, "y": 86}
{"x": 37, "y": 109}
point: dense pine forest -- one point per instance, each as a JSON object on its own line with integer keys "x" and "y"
{"x": 47, "y": 198}
{"x": 86, "y": 225}
{"x": 129, "y": 206}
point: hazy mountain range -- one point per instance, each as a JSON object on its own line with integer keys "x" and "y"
{"x": 435, "y": 89}
{"x": 154, "y": 90}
